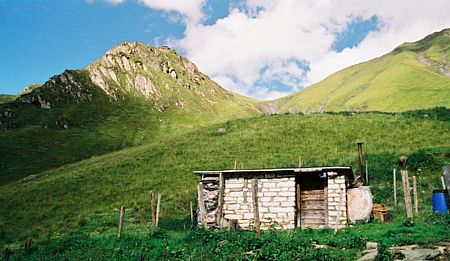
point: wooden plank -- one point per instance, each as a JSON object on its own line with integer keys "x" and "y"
{"x": 299, "y": 204}
{"x": 255, "y": 205}
{"x": 312, "y": 191}
{"x": 201, "y": 205}
{"x": 220, "y": 206}
{"x": 325, "y": 196}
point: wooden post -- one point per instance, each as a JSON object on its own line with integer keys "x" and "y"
{"x": 235, "y": 164}
{"x": 394, "y": 174}
{"x": 336, "y": 224}
{"x": 191, "y": 208}
{"x": 299, "y": 205}
{"x": 220, "y": 207}
{"x": 300, "y": 162}
{"x": 153, "y": 206}
{"x": 407, "y": 194}
{"x": 255, "y": 206}
{"x": 158, "y": 204}
{"x": 416, "y": 202}
{"x": 201, "y": 206}
{"x": 121, "y": 218}
{"x": 325, "y": 196}
{"x": 367, "y": 173}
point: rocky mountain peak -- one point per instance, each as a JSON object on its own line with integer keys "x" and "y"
{"x": 157, "y": 73}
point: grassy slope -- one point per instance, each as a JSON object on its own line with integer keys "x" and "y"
{"x": 6, "y": 98}
{"x": 101, "y": 125}
{"x": 64, "y": 198}
{"x": 398, "y": 81}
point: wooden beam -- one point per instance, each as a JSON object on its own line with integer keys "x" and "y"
{"x": 407, "y": 194}
{"x": 255, "y": 206}
{"x": 299, "y": 202}
{"x": 325, "y": 198}
{"x": 219, "y": 217}
{"x": 201, "y": 206}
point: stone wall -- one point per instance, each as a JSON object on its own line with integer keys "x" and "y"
{"x": 335, "y": 185}
{"x": 276, "y": 202}
{"x": 210, "y": 189}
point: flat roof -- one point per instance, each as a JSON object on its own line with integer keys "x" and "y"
{"x": 235, "y": 171}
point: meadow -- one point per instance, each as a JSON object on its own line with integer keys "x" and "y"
{"x": 67, "y": 198}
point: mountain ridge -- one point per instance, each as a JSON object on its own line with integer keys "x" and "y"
{"x": 412, "y": 76}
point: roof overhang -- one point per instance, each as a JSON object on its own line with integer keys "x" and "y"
{"x": 294, "y": 170}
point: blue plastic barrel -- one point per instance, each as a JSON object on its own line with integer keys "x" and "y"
{"x": 439, "y": 201}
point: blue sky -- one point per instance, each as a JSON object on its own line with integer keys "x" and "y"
{"x": 42, "y": 38}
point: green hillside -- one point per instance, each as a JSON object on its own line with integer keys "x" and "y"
{"x": 65, "y": 198}
{"x": 413, "y": 76}
{"x": 6, "y": 98}
{"x": 133, "y": 95}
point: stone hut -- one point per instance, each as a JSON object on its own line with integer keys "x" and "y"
{"x": 286, "y": 198}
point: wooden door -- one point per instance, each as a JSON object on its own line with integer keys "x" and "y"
{"x": 311, "y": 201}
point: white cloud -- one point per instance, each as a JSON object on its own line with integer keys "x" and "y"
{"x": 189, "y": 9}
{"x": 262, "y": 41}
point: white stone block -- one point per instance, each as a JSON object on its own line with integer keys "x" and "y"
{"x": 270, "y": 194}
{"x": 286, "y": 194}
{"x": 269, "y": 215}
{"x": 262, "y": 209}
{"x": 233, "y": 206}
{"x": 234, "y": 185}
{"x": 236, "y": 194}
{"x": 233, "y": 216}
{"x": 279, "y": 210}
{"x": 282, "y": 215}
{"x": 286, "y": 184}
{"x": 269, "y": 184}
{"x": 288, "y": 203}
{"x": 279, "y": 199}
{"x": 248, "y": 215}
{"x": 271, "y": 204}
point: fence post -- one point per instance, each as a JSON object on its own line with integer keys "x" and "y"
{"x": 158, "y": 210}
{"x": 416, "y": 201}
{"x": 407, "y": 194}
{"x": 122, "y": 214}
{"x": 395, "y": 186}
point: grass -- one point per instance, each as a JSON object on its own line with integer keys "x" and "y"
{"x": 64, "y": 197}
{"x": 4, "y": 98}
{"x": 31, "y": 142}
{"x": 97, "y": 239}
{"x": 395, "y": 82}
